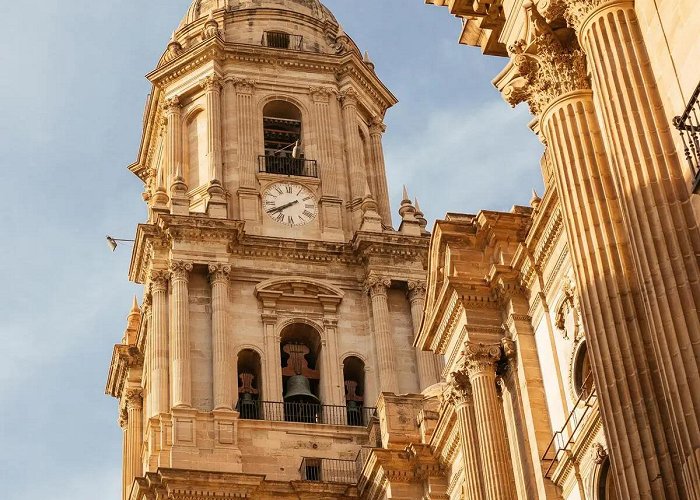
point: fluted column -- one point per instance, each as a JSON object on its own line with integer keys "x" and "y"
{"x": 460, "y": 395}
{"x": 548, "y": 71}
{"x": 324, "y": 139}
{"x": 133, "y": 465}
{"x": 178, "y": 186}
{"x": 180, "y": 362}
{"x": 123, "y": 420}
{"x": 428, "y": 362}
{"x": 659, "y": 217}
{"x": 223, "y": 370}
{"x": 498, "y": 478}
{"x": 377, "y": 287}
{"x": 381, "y": 189}
{"x": 160, "y": 366}
{"x": 353, "y": 147}
{"x": 217, "y": 201}
{"x": 247, "y": 123}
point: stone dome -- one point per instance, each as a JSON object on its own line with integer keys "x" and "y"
{"x": 311, "y": 8}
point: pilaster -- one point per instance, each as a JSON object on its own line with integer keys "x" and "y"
{"x": 223, "y": 370}
{"x": 179, "y": 203}
{"x": 353, "y": 151}
{"x": 380, "y": 189}
{"x": 160, "y": 366}
{"x": 133, "y": 465}
{"x": 428, "y": 362}
{"x": 216, "y": 205}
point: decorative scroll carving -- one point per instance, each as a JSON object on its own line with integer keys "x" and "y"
{"x": 134, "y": 399}
{"x": 170, "y": 106}
{"x": 180, "y": 270}
{"x": 548, "y": 64}
{"x": 159, "y": 281}
{"x": 458, "y": 390}
{"x": 219, "y": 273}
{"x": 416, "y": 290}
{"x": 575, "y": 12}
{"x": 123, "y": 418}
{"x": 243, "y": 85}
{"x": 211, "y": 83}
{"x": 376, "y": 125}
{"x": 481, "y": 357}
{"x": 321, "y": 94}
{"x": 377, "y": 285}
{"x": 348, "y": 97}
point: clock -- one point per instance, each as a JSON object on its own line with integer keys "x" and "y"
{"x": 290, "y": 203}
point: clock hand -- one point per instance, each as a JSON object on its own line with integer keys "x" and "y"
{"x": 279, "y": 209}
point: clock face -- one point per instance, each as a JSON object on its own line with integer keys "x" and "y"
{"x": 290, "y": 203}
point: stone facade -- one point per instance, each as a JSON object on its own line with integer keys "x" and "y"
{"x": 545, "y": 352}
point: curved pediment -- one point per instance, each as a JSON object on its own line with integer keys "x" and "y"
{"x": 298, "y": 289}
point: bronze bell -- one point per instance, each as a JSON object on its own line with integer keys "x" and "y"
{"x": 299, "y": 390}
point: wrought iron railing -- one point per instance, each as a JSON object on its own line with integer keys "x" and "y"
{"x": 563, "y": 439}
{"x": 309, "y": 413}
{"x": 688, "y": 124}
{"x": 328, "y": 470}
{"x": 281, "y": 40}
{"x": 286, "y": 165}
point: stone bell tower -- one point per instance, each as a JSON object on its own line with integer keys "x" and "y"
{"x": 279, "y": 301}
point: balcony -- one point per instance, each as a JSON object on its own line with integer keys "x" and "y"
{"x": 281, "y": 40}
{"x": 688, "y": 124}
{"x": 308, "y": 413}
{"x": 287, "y": 165}
{"x": 328, "y": 470}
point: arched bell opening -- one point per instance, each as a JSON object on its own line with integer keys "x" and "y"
{"x": 249, "y": 384}
{"x": 354, "y": 381}
{"x": 300, "y": 346}
{"x": 282, "y": 132}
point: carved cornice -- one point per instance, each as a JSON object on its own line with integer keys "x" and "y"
{"x": 547, "y": 64}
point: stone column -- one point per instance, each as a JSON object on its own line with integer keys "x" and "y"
{"x": 181, "y": 381}
{"x": 548, "y": 71}
{"x": 123, "y": 419}
{"x": 381, "y": 190}
{"x": 353, "y": 147}
{"x": 428, "y": 362}
{"x": 160, "y": 366}
{"x": 178, "y": 187}
{"x": 333, "y": 368}
{"x": 324, "y": 139}
{"x": 272, "y": 376}
{"x": 133, "y": 464}
{"x": 659, "y": 217}
{"x": 216, "y": 206}
{"x": 224, "y": 369}
{"x": 377, "y": 287}
{"x": 460, "y": 395}
{"x": 497, "y": 469}
{"x": 246, "y": 121}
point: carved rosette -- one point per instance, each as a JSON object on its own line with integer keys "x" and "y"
{"x": 159, "y": 281}
{"x": 377, "y": 285}
{"x": 548, "y": 65}
{"x": 211, "y": 83}
{"x": 480, "y": 357}
{"x": 180, "y": 270}
{"x": 416, "y": 290}
{"x": 376, "y": 125}
{"x": 133, "y": 399}
{"x": 219, "y": 273}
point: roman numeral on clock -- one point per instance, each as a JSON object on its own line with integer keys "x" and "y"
{"x": 307, "y": 213}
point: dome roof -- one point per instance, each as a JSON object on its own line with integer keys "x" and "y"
{"x": 312, "y": 8}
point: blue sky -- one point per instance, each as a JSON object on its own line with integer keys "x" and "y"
{"x": 72, "y": 94}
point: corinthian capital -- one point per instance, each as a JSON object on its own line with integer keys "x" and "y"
{"x": 481, "y": 357}
{"x": 416, "y": 290}
{"x": 348, "y": 97}
{"x": 211, "y": 83}
{"x": 321, "y": 94}
{"x": 545, "y": 66}
{"x": 219, "y": 273}
{"x": 159, "y": 280}
{"x": 377, "y": 285}
{"x": 134, "y": 399}
{"x": 458, "y": 390}
{"x": 376, "y": 125}
{"x": 172, "y": 105}
{"x": 574, "y": 11}
{"x": 180, "y": 270}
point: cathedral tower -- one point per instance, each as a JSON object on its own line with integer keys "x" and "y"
{"x": 279, "y": 301}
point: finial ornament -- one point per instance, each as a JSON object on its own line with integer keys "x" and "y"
{"x": 535, "y": 201}
{"x": 211, "y": 28}
{"x": 368, "y": 61}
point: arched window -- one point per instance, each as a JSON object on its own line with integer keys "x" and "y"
{"x": 282, "y": 134}
{"x": 606, "y": 484}
{"x": 196, "y": 150}
{"x": 249, "y": 384}
{"x": 300, "y": 347}
{"x": 582, "y": 373}
{"x": 354, "y": 377}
